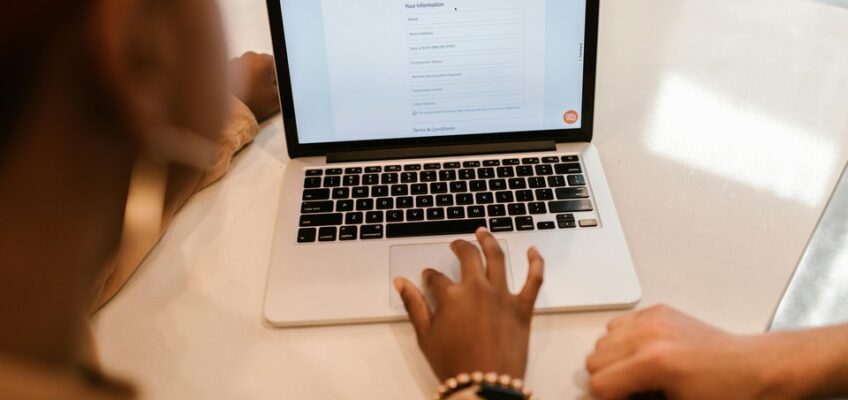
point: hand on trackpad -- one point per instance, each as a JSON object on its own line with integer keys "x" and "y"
{"x": 410, "y": 260}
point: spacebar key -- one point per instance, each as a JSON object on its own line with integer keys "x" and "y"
{"x": 434, "y": 228}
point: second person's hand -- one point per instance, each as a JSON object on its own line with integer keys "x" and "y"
{"x": 476, "y": 324}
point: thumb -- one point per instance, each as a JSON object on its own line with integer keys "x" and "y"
{"x": 416, "y": 306}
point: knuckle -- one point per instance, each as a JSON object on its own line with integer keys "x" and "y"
{"x": 656, "y": 357}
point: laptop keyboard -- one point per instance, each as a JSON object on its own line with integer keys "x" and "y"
{"x": 444, "y": 198}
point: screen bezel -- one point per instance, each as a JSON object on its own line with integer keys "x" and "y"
{"x": 297, "y": 149}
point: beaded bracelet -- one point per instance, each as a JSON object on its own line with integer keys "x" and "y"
{"x": 464, "y": 381}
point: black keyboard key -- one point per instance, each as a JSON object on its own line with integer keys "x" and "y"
{"x": 531, "y": 160}
{"x": 546, "y": 226}
{"x": 370, "y": 179}
{"x": 497, "y": 184}
{"x": 314, "y": 172}
{"x": 341, "y": 193}
{"x": 491, "y": 163}
{"x": 320, "y": 219}
{"x": 524, "y": 195}
{"x": 392, "y": 168}
{"x": 435, "y": 214}
{"x": 424, "y": 201}
{"x": 372, "y": 170}
{"x": 517, "y": 209}
{"x": 476, "y": 212}
{"x": 344, "y": 205}
{"x": 394, "y": 216}
{"x": 359, "y": 192}
{"x": 570, "y": 168}
{"x": 447, "y": 175}
{"x": 484, "y": 198}
{"x": 471, "y": 164}
{"x": 415, "y": 214}
{"x": 350, "y": 180}
{"x": 444, "y": 200}
{"x": 438, "y": 187}
{"x": 566, "y": 224}
{"x": 316, "y": 207}
{"x": 364, "y": 204}
{"x": 389, "y": 178}
{"x": 454, "y": 227}
{"x": 369, "y": 232}
{"x": 327, "y": 234}
{"x": 353, "y": 171}
{"x": 537, "y": 208}
{"x": 429, "y": 176}
{"x": 354, "y": 218}
{"x": 486, "y": 173}
{"x": 544, "y": 194}
{"x": 467, "y": 174}
{"x": 500, "y": 225}
{"x": 524, "y": 224}
{"x": 419, "y": 189}
{"x": 576, "y": 180}
{"x": 517, "y": 183}
{"x": 536, "y": 182}
{"x": 405, "y": 202}
{"x": 506, "y": 172}
{"x": 456, "y": 213}
{"x": 333, "y": 171}
{"x": 572, "y": 193}
{"x": 464, "y": 199}
{"x": 556, "y": 181}
{"x": 566, "y": 217}
{"x": 385, "y": 203}
{"x": 348, "y": 233}
{"x": 496, "y": 210}
{"x": 412, "y": 167}
{"x": 332, "y": 181}
{"x": 409, "y": 177}
{"x": 511, "y": 161}
{"x": 379, "y": 191}
{"x": 478, "y": 186}
{"x": 570, "y": 159}
{"x": 550, "y": 160}
{"x": 569, "y": 206}
{"x": 432, "y": 166}
{"x": 524, "y": 170}
{"x": 374, "y": 217}
{"x": 544, "y": 170}
{"x": 400, "y": 190}
{"x": 458, "y": 187}
{"x": 312, "y": 183}
{"x": 316, "y": 194}
{"x": 306, "y": 235}
{"x": 451, "y": 165}
{"x": 504, "y": 197}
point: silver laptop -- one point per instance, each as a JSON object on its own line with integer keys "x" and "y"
{"x": 411, "y": 124}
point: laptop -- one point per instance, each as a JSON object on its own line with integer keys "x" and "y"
{"x": 411, "y": 124}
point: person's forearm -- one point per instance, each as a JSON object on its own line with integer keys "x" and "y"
{"x": 810, "y": 364}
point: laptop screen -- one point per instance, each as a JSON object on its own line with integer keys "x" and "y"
{"x": 394, "y": 69}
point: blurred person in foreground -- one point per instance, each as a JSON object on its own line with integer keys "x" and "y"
{"x": 113, "y": 113}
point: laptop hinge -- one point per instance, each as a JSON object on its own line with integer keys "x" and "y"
{"x": 441, "y": 151}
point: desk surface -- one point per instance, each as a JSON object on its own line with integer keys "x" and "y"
{"x": 722, "y": 126}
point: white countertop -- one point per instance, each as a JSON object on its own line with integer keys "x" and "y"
{"x": 722, "y": 125}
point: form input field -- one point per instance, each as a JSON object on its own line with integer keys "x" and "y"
{"x": 454, "y": 17}
{"x": 463, "y": 89}
{"x": 465, "y": 46}
{"x": 468, "y": 101}
{"x": 471, "y": 60}
{"x": 469, "y": 74}
{"x": 465, "y": 31}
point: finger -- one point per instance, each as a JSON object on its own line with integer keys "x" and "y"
{"x": 610, "y": 349}
{"x": 437, "y": 283}
{"x": 495, "y": 269}
{"x": 535, "y": 277}
{"x": 625, "y": 378}
{"x": 470, "y": 261}
{"x": 416, "y": 306}
{"x": 622, "y": 321}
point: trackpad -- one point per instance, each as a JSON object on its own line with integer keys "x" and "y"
{"x": 410, "y": 260}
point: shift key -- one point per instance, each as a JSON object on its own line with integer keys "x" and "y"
{"x": 569, "y": 206}
{"x": 321, "y": 220}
